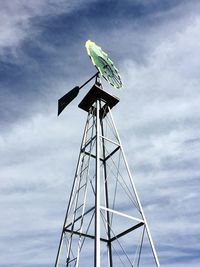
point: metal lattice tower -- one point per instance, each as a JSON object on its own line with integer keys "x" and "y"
{"x": 105, "y": 223}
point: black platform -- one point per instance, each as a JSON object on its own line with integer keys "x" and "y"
{"x": 96, "y": 93}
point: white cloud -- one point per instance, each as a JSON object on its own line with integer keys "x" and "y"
{"x": 17, "y": 20}
{"x": 158, "y": 118}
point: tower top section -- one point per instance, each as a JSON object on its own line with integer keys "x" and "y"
{"x": 105, "y": 69}
{"x": 96, "y": 93}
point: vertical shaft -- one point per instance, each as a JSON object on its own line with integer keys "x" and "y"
{"x": 106, "y": 198}
{"x": 97, "y": 190}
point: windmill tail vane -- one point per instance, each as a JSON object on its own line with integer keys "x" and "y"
{"x": 71, "y": 95}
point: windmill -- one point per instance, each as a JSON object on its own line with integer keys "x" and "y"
{"x": 104, "y": 224}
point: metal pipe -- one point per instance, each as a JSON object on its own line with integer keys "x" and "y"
{"x": 97, "y": 191}
{"x": 106, "y": 198}
{"x": 96, "y": 74}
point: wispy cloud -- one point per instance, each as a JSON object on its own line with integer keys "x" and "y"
{"x": 158, "y": 118}
{"x": 17, "y": 19}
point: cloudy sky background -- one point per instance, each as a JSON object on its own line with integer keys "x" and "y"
{"x": 156, "y": 46}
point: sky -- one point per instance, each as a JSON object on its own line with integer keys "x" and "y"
{"x": 156, "y": 46}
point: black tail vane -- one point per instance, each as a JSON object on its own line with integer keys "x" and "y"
{"x": 67, "y": 98}
{"x": 71, "y": 95}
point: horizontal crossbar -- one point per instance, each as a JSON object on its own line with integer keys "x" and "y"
{"x": 109, "y": 140}
{"x": 86, "y": 235}
{"x": 88, "y": 143}
{"x": 121, "y": 214}
{"x": 127, "y": 231}
{"x": 113, "y": 152}
{"x": 90, "y": 155}
{"x": 88, "y": 211}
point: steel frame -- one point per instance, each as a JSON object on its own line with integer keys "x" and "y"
{"x": 95, "y": 124}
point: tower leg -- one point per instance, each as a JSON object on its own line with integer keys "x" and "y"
{"x": 106, "y": 198}
{"x": 97, "y": 189}
{"x": 136, "y": 195}
{"x": 72, "y": 192}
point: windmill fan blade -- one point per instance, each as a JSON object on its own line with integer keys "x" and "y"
{"x": 67, "y": 98}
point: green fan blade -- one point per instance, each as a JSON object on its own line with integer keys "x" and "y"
{"x": 103, "y": 63}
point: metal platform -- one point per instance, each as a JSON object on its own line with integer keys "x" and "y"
{"x": 97, "y": 93}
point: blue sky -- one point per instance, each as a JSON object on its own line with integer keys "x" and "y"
{"x": 155, "y": 44}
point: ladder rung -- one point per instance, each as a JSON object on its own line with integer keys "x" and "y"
{"x": 90, "y": 128}
{"x": 81, "y": 187}
{"x": 78, "y": 229}
{"x": 83, "y": 169}
{"x": 90, "y": 118}
{"x": 78, "y": 207}
{"x": 81, "y": 223}
{"x": 88, "y": 142}
{"x": 68, "y": 260}
{"x": 83, "y": 157}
